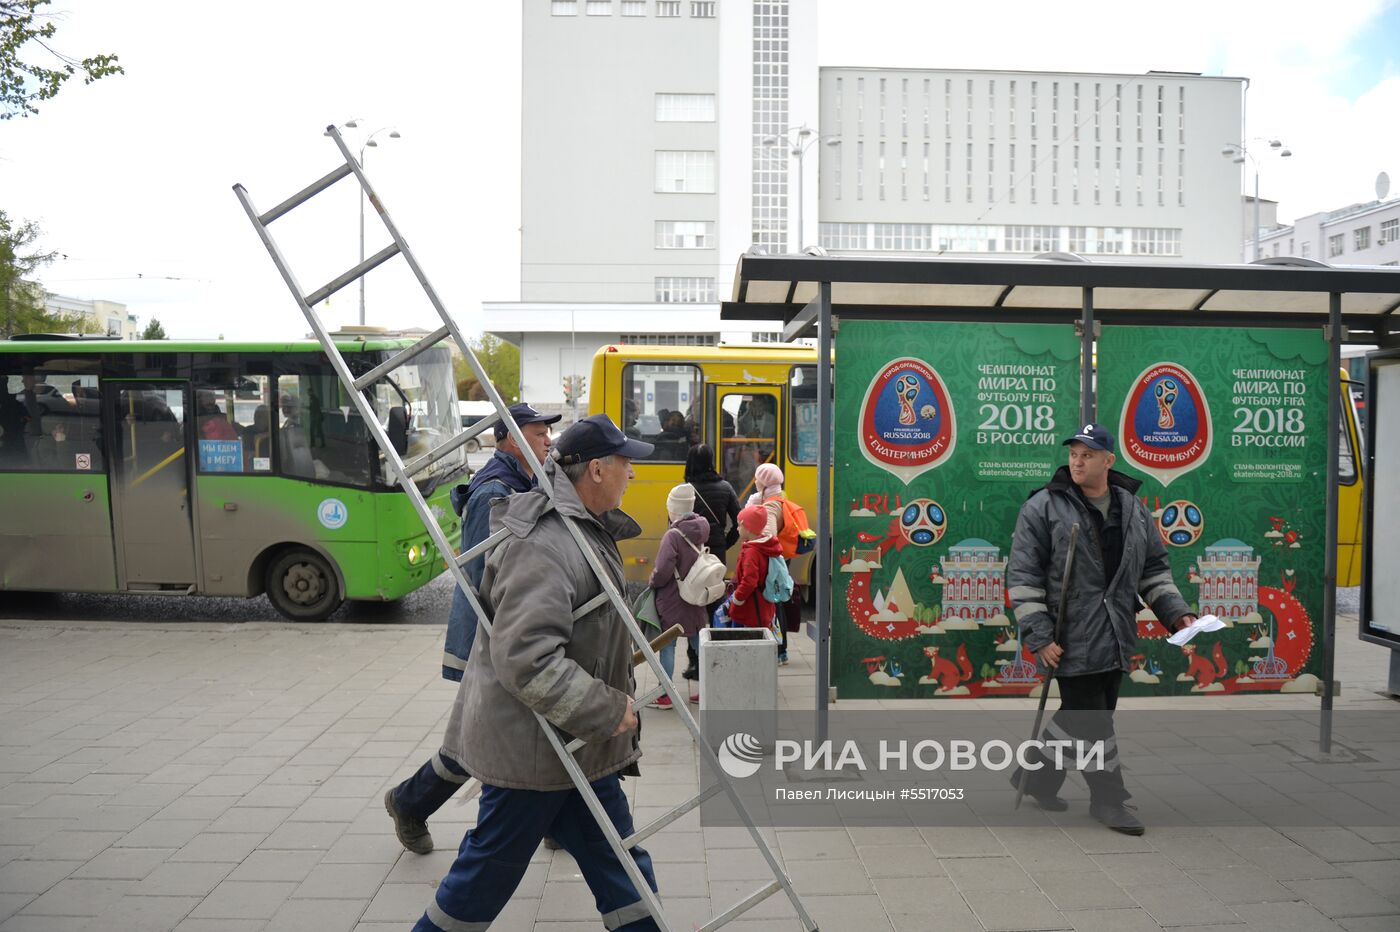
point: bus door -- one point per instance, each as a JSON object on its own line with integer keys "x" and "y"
{"x": 744, "y": 432}
{"x": 150, "y": 483}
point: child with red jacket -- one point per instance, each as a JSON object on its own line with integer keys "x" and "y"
{"x": 747, "y": 606}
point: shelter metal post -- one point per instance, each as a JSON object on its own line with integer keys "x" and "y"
{"x": 1086, "y": 360}
{"x": 1329, "y": 583}
{"x": 824, "y": 529}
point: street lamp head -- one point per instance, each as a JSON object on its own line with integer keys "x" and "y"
{"x": 394, "y": 134}
{"x": 833, "y": 142}
{"x": 1228, "y": 152}
{"x": 372, "y": 144}
{"x": 1275, "y": 144}
{"x": 353, "y": 124}
{"x": 771, "y": 140}
{"x": 1285, "y": 153}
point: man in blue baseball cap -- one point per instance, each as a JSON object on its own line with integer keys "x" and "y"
{"x": 413, "y": 802}
{"x": 1119, "y": 557}
{"x": 538, "y": 659}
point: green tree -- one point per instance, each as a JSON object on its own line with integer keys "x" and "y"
{"x": 21, "y": 297}
{"x": 26, "y": 28}
{"x": 500, "y": 359}
{"x": 154, "y": 331}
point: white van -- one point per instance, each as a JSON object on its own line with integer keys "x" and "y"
{"x": 471, "y": 412}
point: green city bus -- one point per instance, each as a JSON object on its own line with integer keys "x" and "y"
{"x": 218, "y": 468}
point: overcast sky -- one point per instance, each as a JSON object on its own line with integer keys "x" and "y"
{"x": 130, "y": 177}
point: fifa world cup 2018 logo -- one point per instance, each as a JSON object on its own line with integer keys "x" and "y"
{"x": 906, "y": 389}
{"x": 1166, "y": 392}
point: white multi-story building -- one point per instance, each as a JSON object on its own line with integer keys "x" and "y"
{"x": 657, "y": 140}
{"x": 1012, "y": 162}
{"x": 1360, "y": 234}
{"x": 644, "y": 174}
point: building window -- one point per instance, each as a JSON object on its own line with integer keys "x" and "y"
{"x": 1307, "y": 250}
{"x": 843, "y": 235}
{"x": 1361, "y": 238}
{"x": 770, "y": 177}
{"x": 683, "y": 290}
{"x": 882, "y": 167}
{"x": 1108, "y": 240}
{"x": 1390, "y": 231}
{"x": 685, "y": 171}
{"x": 860, "y": 171}
{"x": 634, "y": 7}
{"x": 1078, "y": 239}
{"x": 667, "y": 9}
{"x": 564, "y": 8}
{"x": 685, "y": 234}
{"x": 1034, "y": 239}
{"x": 668, "y": 339}
{"x": 1148, "y": 241}
{"x": 765, "y": 336}
{"x": 599, "y": 8}
{"x": 1336, "y": 245}
{"x": 685, "y": 108}
{"x": 904, "y": 237}
{"x": 702, "y": 9}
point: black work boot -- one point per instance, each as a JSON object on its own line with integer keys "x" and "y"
{"x": 1118, "y": 817}
{"x": 692, "y": 670}
{"x": 413, "y": 835}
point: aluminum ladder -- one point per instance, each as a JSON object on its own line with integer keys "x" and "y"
{"x": 403, "y": 473}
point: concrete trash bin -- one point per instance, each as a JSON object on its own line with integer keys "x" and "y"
{"x": 739, "y": 674}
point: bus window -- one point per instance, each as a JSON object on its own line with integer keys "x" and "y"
{"x": 748, "y": 432}
{"x": 49, "y": 415}
{"x": 802, "y": 415}
{"x": 661, "y": 405}
{"x": 233, "y": 423}
{"x": 317, "y": 435}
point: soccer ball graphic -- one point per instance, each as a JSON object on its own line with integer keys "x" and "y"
{"x": 922, "y": 522}
{"x": 1180, "y": 523}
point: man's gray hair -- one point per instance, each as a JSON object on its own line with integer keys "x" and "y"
{"x": 576, "y": 471}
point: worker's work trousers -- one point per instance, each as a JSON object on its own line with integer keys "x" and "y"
{"x": 510, "y": 825}
{"x": 1084, "y": 696}
{"x": 430, "y": 788}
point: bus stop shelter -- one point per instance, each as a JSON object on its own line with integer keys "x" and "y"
{"x": 811, "y": 294}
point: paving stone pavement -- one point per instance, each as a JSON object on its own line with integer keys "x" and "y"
{"x": 228, "y": 778}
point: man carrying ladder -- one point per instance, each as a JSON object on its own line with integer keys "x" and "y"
{"x": 577, "y": 674}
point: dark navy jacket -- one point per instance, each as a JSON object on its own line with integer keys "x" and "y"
{"x": 500, "y": 477}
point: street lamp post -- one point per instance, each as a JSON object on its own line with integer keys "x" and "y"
{"x": 1237, "y": 152}
{"x": 369, "y": 143}
{"x": 797, "y": 140}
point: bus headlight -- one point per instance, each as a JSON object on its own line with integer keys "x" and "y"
{"x": 414, "y": 553}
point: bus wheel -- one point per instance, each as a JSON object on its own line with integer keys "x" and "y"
{"x": 473, "y": 445}
{"x": 302, "y": 586}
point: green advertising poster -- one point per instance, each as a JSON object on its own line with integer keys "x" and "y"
{"x": 943, "y": 429}
{"x": 1227, "y": 429}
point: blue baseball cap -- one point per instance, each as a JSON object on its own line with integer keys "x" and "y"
{"x": 595, "y": 437}
{"x": 1094, "y": 436}
{"x": 523, "y": 414}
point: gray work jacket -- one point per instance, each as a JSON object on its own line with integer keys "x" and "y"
{"x": 1100, "y": 631}
{"x": 577, "y": 674}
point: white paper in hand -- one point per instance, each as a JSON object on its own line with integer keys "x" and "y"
{"x": 1204, "y": 623}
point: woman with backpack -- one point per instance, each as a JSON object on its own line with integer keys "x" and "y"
{"x": 681, "y": 546}
{"x": 716, "y": 502}
{"x": 768, "y": 493}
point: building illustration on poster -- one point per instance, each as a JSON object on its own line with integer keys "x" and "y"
{"x": 974, "y": 572}
{"x": 1229, "y": 579}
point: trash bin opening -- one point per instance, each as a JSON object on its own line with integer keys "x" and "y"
{"x": 736, "y": 634}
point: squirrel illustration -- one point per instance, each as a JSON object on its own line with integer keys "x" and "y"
{"x": 948, "y": 674}
{"x": 1201, "y": 670}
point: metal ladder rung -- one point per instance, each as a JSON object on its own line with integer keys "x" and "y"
{"x": 305, "y": 194}
{"x": 589, "y": 606}
{"x": 648, "y": 698}
{"x": 471, "y": 553}
{"x": 414, "y": 466}
{"x": 741, "y": 907}
{"x": 656, "y": 825}
{"x": 358, "y": 272}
